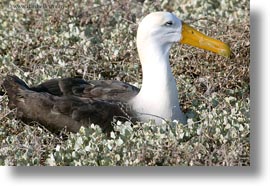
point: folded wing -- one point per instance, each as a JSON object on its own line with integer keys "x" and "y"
{"x": 71, "y": 102}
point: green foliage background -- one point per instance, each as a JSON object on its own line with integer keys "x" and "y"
{"x": 95, "y": 39}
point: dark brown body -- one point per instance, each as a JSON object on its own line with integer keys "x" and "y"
{"x": 71, "y": 102}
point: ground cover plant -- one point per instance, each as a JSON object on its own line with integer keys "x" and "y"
{"x": 40, "y": 40}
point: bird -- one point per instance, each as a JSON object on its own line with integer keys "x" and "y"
{"x": 69, "y": 103}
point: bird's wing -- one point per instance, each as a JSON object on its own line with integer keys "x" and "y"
{"x": 69, "y": 103}
{"x": 110, "y": 90}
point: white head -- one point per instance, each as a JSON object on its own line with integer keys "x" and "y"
{"x": 164, "y": 28}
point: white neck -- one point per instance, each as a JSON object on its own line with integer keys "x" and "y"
{"x": 158, "y": 97}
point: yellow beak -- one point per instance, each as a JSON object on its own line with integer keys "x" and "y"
{"x": 195, "y": 38}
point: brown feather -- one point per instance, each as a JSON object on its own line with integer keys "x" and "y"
{"x": 71, "y": 102}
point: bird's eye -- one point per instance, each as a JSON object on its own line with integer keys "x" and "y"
{"x": 168, "y": 23}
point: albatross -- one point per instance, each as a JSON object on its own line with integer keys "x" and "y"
{"x": 71, "y": 103}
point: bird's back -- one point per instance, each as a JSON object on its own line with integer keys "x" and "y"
{"x": 71, "y": 102}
